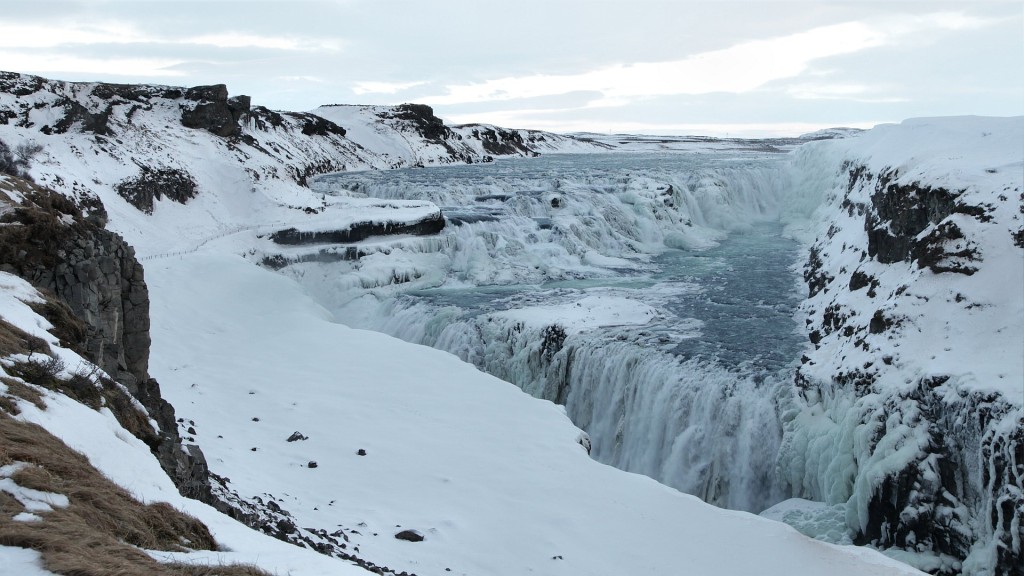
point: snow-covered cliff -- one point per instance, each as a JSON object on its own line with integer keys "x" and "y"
{"x": 910, "y": 401}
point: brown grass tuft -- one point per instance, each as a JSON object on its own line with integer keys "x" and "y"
{"x": 17, "y": 388}
{"x": 67, "y": 327}
{"x": 14, "y": 340}
{"x": 227, "y": 570}
{"x": 97, "y": 534}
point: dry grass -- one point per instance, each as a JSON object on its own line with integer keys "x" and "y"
{"x": 101, "y": 531}
{"x": 67, "y": 327}
{"x": 18, "y": 389}
{"x": 14, "y": 340}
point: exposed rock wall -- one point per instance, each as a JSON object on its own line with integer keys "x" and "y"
{"x": 48, "y": 241}
{"x": 359, "y": 231}
{"x": 500, "y": 142}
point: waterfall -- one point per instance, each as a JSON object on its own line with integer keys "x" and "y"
{"x": 692, "y": 418}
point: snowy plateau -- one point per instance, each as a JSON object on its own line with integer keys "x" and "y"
{"x": 357, "y": 339}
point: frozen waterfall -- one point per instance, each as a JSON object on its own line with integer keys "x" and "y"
{"x": 541, "y": 278}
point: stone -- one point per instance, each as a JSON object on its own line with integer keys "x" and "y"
{"x": 360, "y": 231}
{"x": 410, "y": 536}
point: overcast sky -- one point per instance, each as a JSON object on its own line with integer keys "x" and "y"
{"x": 743, "y": 68}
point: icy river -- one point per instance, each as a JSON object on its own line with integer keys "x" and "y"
{"x": 651, "y": 294}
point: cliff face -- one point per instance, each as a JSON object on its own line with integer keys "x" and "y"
{"x": 911, "y": 396}
{"x": 45, "y": 239}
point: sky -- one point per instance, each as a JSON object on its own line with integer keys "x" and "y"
{"x": 738, "y": 68}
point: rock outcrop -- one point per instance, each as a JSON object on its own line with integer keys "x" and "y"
{"x": 155, "y": 184}
{"x": 46, "y": 239}
{"x": 360, "y": 231}
{"x": 501, "y": 142}
{"x": 209, "y": 108}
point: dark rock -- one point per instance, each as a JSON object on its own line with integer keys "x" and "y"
{"x": 360, "y": 231}
{"x": 945, "y": 249}
{"x": 312, "y": 464}
{"x": 239, "y": 107}
{"x": 859, "y": 280}
{"x": 879, "y": 323}
{"x": 410, "y": 536}
{"x": 214, "y": 117}
{"x": 296, "y": 436}
{"x": 502, "y": 142}
{"x": 154, "y": 184}
{"x": 552, "y": 340}
{"x": 423, "y": 120}
{"x": 75, "y": 114}
{"x": 899, "y": 213}
{"x": 815, "y": 275}
{"x": 313, "y": 125}
{"x": 212, "y": 93}
{"x": 361, "y": 452}
{"x": 208, "y": 108}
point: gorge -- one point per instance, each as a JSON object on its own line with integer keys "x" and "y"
{"x": 655, "y": 293}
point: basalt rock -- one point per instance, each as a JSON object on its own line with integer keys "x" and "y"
{"x": 50, "y": 243}
{"x": 154, "y": 184}
{"x": 208, "y": 108}
{"x": 359, "y": 231}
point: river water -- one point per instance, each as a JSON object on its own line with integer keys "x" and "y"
{"x": 693, "y": 393}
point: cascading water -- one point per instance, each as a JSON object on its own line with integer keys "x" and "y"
{"x": 652, "y": 295}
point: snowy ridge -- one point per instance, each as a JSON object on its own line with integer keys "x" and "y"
{"x": 127, "y": 461}
{"x": 409, "y": 135}
{"x": 127, "y": 145}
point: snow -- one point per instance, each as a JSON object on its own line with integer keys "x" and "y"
{"x": 815, "y": 519}
{"x": 33, "y": 500}
{"x": 23, "y": 562}
{"x": 587, "y": 313}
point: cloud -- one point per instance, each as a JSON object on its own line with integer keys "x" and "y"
{"x": 128, "y": 67}
{"x": 239, "y": 40}
{"x": 67, "y": 34}
{"x": 740, "y": 68}
{"x": 841, "y": 91}
{"x": 369, "y": 87}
